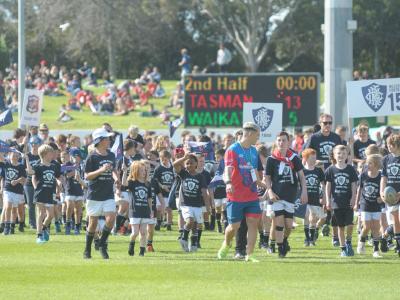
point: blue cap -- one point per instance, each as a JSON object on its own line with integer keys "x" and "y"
{"x": 35, "y": 140}
{"x": 75, "y": 152}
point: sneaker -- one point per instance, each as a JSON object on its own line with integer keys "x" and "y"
{"x": 46, "y": 235}
{"x": 312, "y": 243}
{"x": 150, "y": 248}
{"x": 40, "y": 240}
{"x": 325, "y": 230}
{"x": 391, "y": 246}
{"x": 306, "y": 243}
{"x": 157, "y": 227}
{"x": 361, "y": 248}
{"x": 67, "y": 229}
{"x": 344, "y": 253}
{"x": 286, "y": 246}
{"x": 251, "y": 258}
{"x": 184, "y": 245}
{"x": 7, "y": 230}
{"x": 281, "y": 251}
{"x": 223, "y": 251}
{"x": 131, "y": 249}
{"x": 316, "y": 234}
{"x": 271, "y": 249}
{"x": 349, "y": 249}
{"x": 103, "y": 251}
{"x": 335, "y": 243}
{"x": 384, "y": 246}
{"x": 239, "y": 256}
{"x": 169, "y": 228}
{"x": 376, "y": 254}
{"x": 21, "y": 228}
{"x": 192, "y": 248}
{"x": 12, "y": 230}
{"x": 87, "y": 254}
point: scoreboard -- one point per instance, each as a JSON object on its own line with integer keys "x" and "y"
{"x": 216, "y": 100}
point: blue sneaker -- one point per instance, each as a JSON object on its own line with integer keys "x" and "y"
{"x": 58, "y": 227}
{"x": 349, "y": 249}
{"x": 46, "y": 235}
{"x": 40, "y": 240}
{"x": 67, "y": 229}
{"x": 77, "y": 231}
{"x": 343, "y": 253}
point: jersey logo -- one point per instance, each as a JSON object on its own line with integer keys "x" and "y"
{"x": 142, "y": 194}
{"x": 263, "y": 117}
{"x": 394, "y": 170}
{"x": 311, "y": 180}
{"x": 374, "y": 95}
{"x": 341, "y": 180}
{"x": 327, "y": 149}
{"x": 48, "y": 177}
{"x": 11, "y": 174}
{"x": 286, "y": 170}
{"x": 369, "y": 190}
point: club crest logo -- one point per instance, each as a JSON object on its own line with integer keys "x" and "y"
{"x": 142, "y": 194}
{"x": 394, "y": 170}
{"x": 327, "y": 149}
{"x": 11, "y": 174}
{"x": 369, "y": 190}
{"x": 374, "y": 95}
{"x": 311, "y": 180}
{"x": 49, "y": 177}
{"x": 286, "y": 170}
{"x": 33, "y": 104}
{"x": 341, "y": 180}
{"x": 263, "y": 117}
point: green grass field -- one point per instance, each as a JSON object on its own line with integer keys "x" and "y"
{"x": 86, "y": 120}
{"x": 56, "y": 270}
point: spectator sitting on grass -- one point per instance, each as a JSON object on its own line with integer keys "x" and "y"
{"x": 155, "y": 75}
{"x": 92, "y": 77}
{"x": 120, "y": 108}
{"x": 107, "y": 78}
{"x": 176, "y": 99}
{"x": 63, "y": 114}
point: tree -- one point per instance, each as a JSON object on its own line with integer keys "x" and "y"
{"x": 248, "y": 24}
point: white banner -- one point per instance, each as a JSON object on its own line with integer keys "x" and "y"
{"x": 32, "y": 107}
{"x": 266, "y": 115}
{"x": 372, "y": 98}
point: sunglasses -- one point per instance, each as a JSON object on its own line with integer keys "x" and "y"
{"x": 327, "y": 123}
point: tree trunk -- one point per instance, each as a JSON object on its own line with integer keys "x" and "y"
{"x": 376, "y": 61}
{"x": 111, "y": 56}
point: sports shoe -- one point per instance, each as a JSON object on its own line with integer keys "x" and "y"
{"x": 157, "y": 227}
{"x": 361, "y": 248}
{"x": 349, "y": 249}
{"x": 21, "y": 227}
{"x": 281, "y": 251}
{"x": 271, "y": 249}
{"x": 223, "y": 251}
{"x": 169, "y": 228}
{"x": 251, "y": 258}
{"x": 46, "y": 235}
{"x": 184, "y": 245}
{"x": 150, "y": 248}
{"x": 2, "y": 227}
{"x": 7, "y": 230}
{"x": 344, "y": 253}
{"x": 87, "y": 254}
{"x": 335, "y": 243}
{"x": 103, "y": 251}
{"x": 316, "y": 234}
{"x": 40, "y": 240}
{"x": 286, "y": 246}
{"x": 12, "y": 229}
{"x": 391, "y": 246}
{"x": 325, "y": 230}
{"x": 376, "y": 254}
{"x": 312, "y": 243}
{"x": 192, "y": 248}
{"x": 239, "y": 256}
{"x": 306, "y": 243}
{"x": 67, "y": 229}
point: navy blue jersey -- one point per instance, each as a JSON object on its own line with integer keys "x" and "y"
{"x": 370, "y": 189}
{"x": 314, "y": 178}
{"x": 141, "y": 192}
{"x": 10, "y": 173}
{"x": 341, "y": 181}
{"x": 46, "y": 177}
{"x": 391, "y": 170}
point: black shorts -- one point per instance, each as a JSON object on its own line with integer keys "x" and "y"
{"x": 342, "y": 217}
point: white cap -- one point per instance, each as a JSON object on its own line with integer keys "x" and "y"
{"x": 99, "y": 134}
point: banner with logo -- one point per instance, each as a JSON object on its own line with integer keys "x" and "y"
{"x": 372, "y": 98}
{"x": 266, "y": 115}
{"x": 32, "y": 107}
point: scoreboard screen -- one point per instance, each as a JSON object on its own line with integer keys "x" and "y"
{"x": 216, "y": 100}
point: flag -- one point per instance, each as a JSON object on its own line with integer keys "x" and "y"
{"x": 68, "y": 168}
{"x": 4, "y": 147}
{"x": 203, "y": 147}
{"x": 218, "y": 177}
{"x": 173, "y": 126}
{"x": 117, "y": 147}
{"x": 6, "y": 117}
